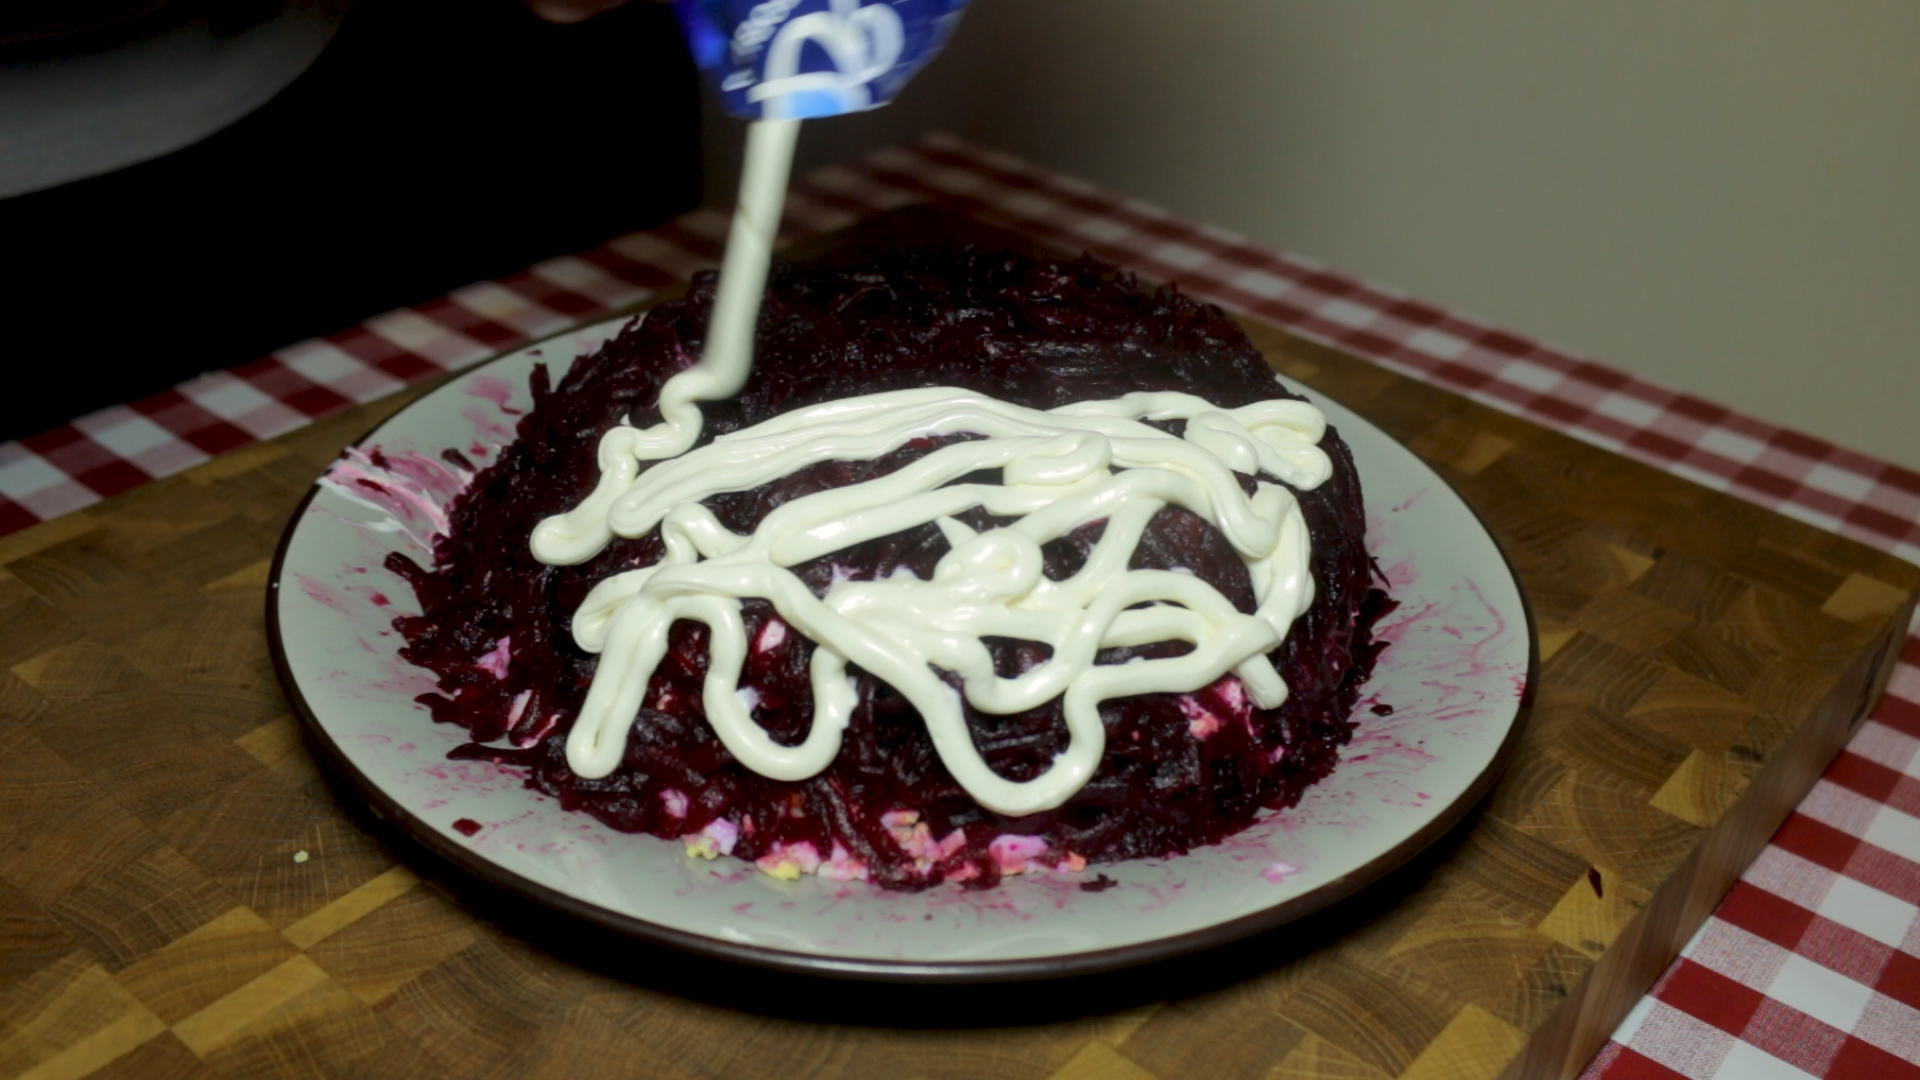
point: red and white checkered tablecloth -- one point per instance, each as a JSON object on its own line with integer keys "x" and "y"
{"x": 1811, "y": 966}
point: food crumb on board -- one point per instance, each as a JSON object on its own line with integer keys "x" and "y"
{"x": 301, "y": 856}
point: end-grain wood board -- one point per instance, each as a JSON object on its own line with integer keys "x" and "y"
{"x": 183, "y": 894}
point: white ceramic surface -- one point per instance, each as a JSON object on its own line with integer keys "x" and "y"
{"x": 1455, "y": 676}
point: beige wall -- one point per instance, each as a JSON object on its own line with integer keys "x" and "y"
{"x": 1720, "y": 195}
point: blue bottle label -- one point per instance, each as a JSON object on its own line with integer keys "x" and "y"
{"x": 799, "y": 59}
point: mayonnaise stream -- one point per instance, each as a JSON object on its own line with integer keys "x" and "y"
{"x": 1061, "y": 469}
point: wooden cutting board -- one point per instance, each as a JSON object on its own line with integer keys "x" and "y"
{"x": 183, "y": 895}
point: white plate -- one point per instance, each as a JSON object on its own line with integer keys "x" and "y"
{"x": 1456, "y": 676}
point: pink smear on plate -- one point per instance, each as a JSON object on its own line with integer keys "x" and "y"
{"x": 497, "y": 390}
{"x": 487, "y": 426}
{"x": 410, "y": 490}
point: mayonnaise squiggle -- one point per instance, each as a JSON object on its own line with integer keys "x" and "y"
{"x": 1061, "y": 469}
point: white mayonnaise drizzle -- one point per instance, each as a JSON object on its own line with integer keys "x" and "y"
{"x": 1061, "y": 469}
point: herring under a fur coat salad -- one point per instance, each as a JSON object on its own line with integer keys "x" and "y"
{"x": 990, "y": 565}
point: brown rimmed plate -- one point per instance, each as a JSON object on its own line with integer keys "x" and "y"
{"x": 1456, "y": 679}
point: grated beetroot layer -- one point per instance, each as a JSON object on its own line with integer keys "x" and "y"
{"x": 1038, "y": 333}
